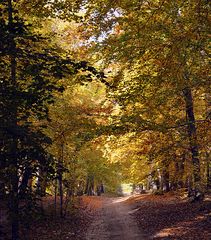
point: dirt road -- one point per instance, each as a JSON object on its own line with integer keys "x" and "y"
{"x": 114, "y": 222}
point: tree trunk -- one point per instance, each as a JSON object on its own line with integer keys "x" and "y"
{"x": 208, "y": 103}
{"x": 14, "y": 202}
{"x": 60, "y": 178}
{"x": 166, "y": 180}
{"x": 182, "y": 171}
{"x": 89, "y": 186}
{"x": 208, "y": 172}
{"x": 192, "y": 135}
{"x": 161, "y": 180}
{"x": 55, "y": 196}
{"x": 24, "y": 183}
{"x": 2, "y": 190}
{"x": 61, "y": 195}
{"x": 157, "y": 183}
{"x": 208, "y": 116}
{"x": 41, "y": 183}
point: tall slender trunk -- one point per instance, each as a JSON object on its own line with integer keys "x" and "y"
{"x": 60, "y": 178}
{"x": 14, "y": 202}
{"x": 208, "y": 171}
{"x": 208, "y": 152}
{"x": 160, "y": 179}
{"x": 208, "y": 103}
{"x": 192, "y": 135}
{"x": 55, "y": 196}
{"x": 166, "y": 179}
{"x": 25, "y": 182}
{"x": 41, "y": 182}
{"x": 61, "y": 195}
{"x": 89, "y": 185}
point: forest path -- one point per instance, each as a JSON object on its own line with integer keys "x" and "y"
{"x": 114, "y": 222}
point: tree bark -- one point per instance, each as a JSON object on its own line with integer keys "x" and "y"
{"x": 208, "y": 153}
{"x": 208, "y": 103}
{"x": 55, "y": 196}
{"x": 208, "y": 171}
{"x": 192, "y": 135}
{"x": 166, "y": 179}
{"x": 60, "y": 178}
{"x": 61, "y": 195}
{"x": 41, "y": 182}
{"x": 25, "y": 181}
{"x": 89, "y": 185}
{"x": 14, "y": 200}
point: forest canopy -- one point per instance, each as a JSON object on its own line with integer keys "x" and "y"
{"x": 97, "y": 93}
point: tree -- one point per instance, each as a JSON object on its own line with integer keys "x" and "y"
{"x": 30, "y": 69}
{"x": 160, "y": 48}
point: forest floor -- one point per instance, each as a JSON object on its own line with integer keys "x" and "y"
{"x": 134, "y": 217}
{"x": 49, "y": 225}
{"x": 170, "y": 217}
{"x": 151, "y": 217}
